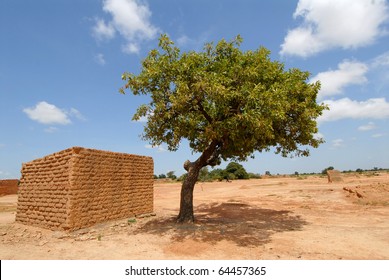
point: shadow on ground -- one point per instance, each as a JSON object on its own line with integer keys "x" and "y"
{"x": 241, "y": 223}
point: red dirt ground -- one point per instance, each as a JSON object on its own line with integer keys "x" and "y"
{"x": 270, "y": 218}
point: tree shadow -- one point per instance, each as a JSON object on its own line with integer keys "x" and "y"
{"x": 241, "y": 223}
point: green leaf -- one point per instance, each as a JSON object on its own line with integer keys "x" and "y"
{"x": 241, "y": 102}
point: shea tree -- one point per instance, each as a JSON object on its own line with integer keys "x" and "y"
{"x": 226, "y": 102}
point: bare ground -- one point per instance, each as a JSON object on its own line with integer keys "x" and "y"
{"x": 271, "y": 218}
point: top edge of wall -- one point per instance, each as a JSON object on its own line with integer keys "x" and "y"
{"x": 78, "y": 149}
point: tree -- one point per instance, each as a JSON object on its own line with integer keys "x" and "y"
{"x": 171, "y": 175}
{"x": 204, "y": 174}
{"x": 237, "y": 170}
{"x": 217, "y": 174}
{"x": 324, "y": 171}
{"x": 226, "y": 102}
{"x": 254, "y": 176}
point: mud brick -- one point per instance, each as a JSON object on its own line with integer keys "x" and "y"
{"x": 9, "y": 186}
{"x": 79, "y": 187}
{"x": 334, "y": 176}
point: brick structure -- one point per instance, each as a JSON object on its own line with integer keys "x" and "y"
{"x": 79, "y": 187}
{"x": 334, "y": 176}
{"x": 9, "y": 186}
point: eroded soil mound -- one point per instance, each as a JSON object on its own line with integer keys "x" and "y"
{"x": 376, "y": 194}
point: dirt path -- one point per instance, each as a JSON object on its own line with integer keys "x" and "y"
{"x": 272, "y": 218}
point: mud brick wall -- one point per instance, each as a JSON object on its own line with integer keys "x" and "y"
{"x": 334, "y": 176}
{"x": 107, "y": 186}
{"x": 80, "y": 187}
{"x": 9, "y": 186}
{"x": 43, "y": 198}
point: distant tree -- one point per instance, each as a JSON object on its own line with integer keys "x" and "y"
{"x": 227, "y": 176}
{"x": 324, "y": 171}
{"x": 204, "y": 174}
{"x": 171, "y": 175}
{"x": 296, "y": 173}
{"x": 155, "y": 176}
{"x": 254, "y": 176}
{"x": 359, "y": 170}
{"x": 237, "y": 171}
{"x": 182, "y": 177}
{"x": 268, "y": 173}
{"x": 227, "y": 103}
{"x": 217, "y": 174}
{"x": 162, "y": 176}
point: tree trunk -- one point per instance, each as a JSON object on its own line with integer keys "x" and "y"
{"x": 208, "y": 157}
{"x": 186, "y": 204}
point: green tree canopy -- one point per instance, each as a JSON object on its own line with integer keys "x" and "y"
{"x": 237, "y": 170}
{"x": 226, "y": 102}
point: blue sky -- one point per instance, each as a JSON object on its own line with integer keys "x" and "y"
{"x": 61, "y": 64}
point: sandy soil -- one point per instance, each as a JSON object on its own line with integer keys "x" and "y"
{"x": 271, "y": 218}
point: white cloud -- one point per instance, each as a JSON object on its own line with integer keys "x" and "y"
{"x": 333, "y": 23}
{"x": 367, "y": 127}
{"x": 51, "y": 129}
{"x": 131, "y": 19}
{"x": 99, "y": 58}
{"x": 318, "y": 136}
{"x": 353, "y": 72}
{"x": 184, "y": 40}
{"x": 75, "y": 113}
{"x": 300, "y": 41}
{"x": 380, "y": 69}
{"x": 381, "y": 60}
{"x": 345, "y": 108}
{"x": 47, "y": 113}
{"x": 337, "y": 143}
{"x": 103, "y": 31}
{"x": 159, "y": 148}
{"x": 131, "y": 48}
{"x": 378, "y": 135}
{"x": 195, "y": 43}
{"x": 348, "y": 73}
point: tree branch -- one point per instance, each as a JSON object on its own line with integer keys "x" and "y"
{"x": 210, "y": 154}
{"x": 187, "y": 165}
{"x": 205, "y": 114}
